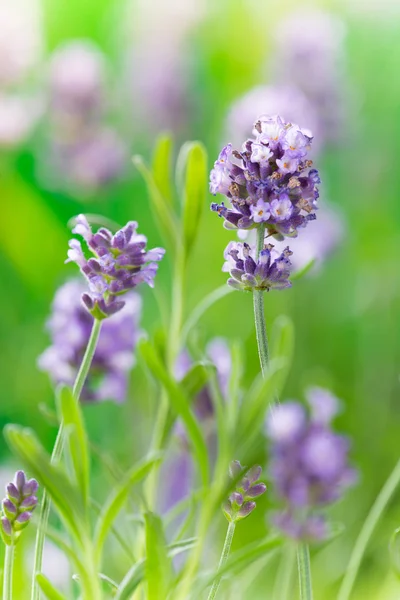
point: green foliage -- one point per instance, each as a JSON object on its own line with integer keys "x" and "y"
{"x": 162, "y": 158}
{"x": 48, "y": 589}
{"x": 158, "y": 567}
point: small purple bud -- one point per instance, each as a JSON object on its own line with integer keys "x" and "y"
{"x": 256, "y": 490}
{"x": 88, "y": 301}
{"x": 227, "y": 510}
{"x": 29, "y": 503}
{"x": 245, "y": 510}
{"x": 254, "y": 474}
{"x": 9, "y": 509}
{"x": 22, "y": 521}
{"x": 235, "y": 469}
{"x": 236, "y": 500}
{"x": 30, "y": 488}
{"x": 6, "y": 526}
{"x": 13, "y": 493}
{"x": 20, "y": 480}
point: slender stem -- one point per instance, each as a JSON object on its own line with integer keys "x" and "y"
{"x": 8, "y": 572}
{"x": 56, "y": 455}
{"x": 367, "y": 530}
{"x": 259, "y": 318}
{"x": 283, "y": 582}
{"x": 224, "y": 557}
{"x": 304, "y": 569}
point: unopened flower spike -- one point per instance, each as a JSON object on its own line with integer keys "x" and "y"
{"x": 241, "y": 502}
{"x": 120, "y": 262}
{"x": 269, "y": 182}
{"x": 17, "y": 507}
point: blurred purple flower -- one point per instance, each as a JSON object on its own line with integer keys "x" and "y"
{"x": 70, "y": 325}
{"x": 18, "y": 116}
{"x": 120, "y": 262}
{"x": 270, "y": 181}
{"x": 309, "y": 53}
{"x": 270, "y": 271}
{"x": 17, "y": 507}
{"x": 309, "y": 463}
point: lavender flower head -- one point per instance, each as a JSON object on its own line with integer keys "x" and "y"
{"x": 120, "y": 262}
{"x": 309, "y": 463}
{"x": 270, "y": 271}
{"x": 270, "y": 182}
{"x": 17, "y": 507}
{"x": 70, "y": 325}
{"x": 241, "y": 501}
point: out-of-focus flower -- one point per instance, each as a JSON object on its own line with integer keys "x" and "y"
{"x": 120, "y": 262}
{"x": 285, "y": 100}
{"x": 21, "y": 39}
{"x": 270, "y": 181}
{"x": 17, "y": 507}
{"x": 18, "y": 116}
{"x": 309, "y": 463}
{"x": 157, "y": 63}
{"x": 313, "y": 245}
{"x": 241, "y": 501}
{"x": 70, "y": 325}
{"x": 270, "y": 271}
{"x": 310, "y": 55}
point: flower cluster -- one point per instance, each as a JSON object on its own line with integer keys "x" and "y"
{"x": 309, "y": 463}
{"x": 70, "y": 325}
{"x": 269, "y": 182}
{"x": 18, "y": 505}
{"x": 270, "y": 271}
{"x": 241, "y": 501}
{"x": 120, "y": 263}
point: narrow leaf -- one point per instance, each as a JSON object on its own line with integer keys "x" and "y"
{"x": 196, "y": 378}
{"x": 158, "y": 567}
{"x": 163, "y": 215}
{"x": 48, "y": 589}
{"x": 76, "y": 438}
{"x": 162, "y": 166}
{"x": 282, "y": 344}
{"x": 117, "y": 499}
{"x": 180, "y": 404}
{"x": 194, "y": 197}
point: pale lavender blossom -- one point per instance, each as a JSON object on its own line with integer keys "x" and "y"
{"x": 17, "y": 507}
{"x": 281, "y": 175}
{"x": 70, "y": 325}
{"x": 120, "y": 262}
{"x": 18, "y": 116}
{"x": 270, "y": 271}
{"x": 309, "y": 464}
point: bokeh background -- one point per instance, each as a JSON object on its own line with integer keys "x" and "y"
{"x": 83, "y": 86}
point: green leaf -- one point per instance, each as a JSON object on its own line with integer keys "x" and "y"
{"x": 395, "y": 551}
{"x": 196, "y": 378}
{"x": 180, "y": 404}
{"x": 24, "y": 443}
{"x": 163, "y": 215}
{"x": 117, "y": 499}
{"x": 48, "y": 589}
{"x": 76, "y": 438}
{"x": 162, "y": 166}
{"x": 282, "y": 344}
{"x": 158, "y": 567}
{"x": 136, "y": 573}
{"x": 194, "y": 194}
{"x": 202, "y": 308}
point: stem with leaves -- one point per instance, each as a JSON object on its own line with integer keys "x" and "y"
{"x": 8, "y": 572}
{"x": 56, "y": 455}
{"x": 224, "y": 557}
{"x": 259, "y": 317}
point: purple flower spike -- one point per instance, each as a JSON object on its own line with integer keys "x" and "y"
{"x": 309, "y": 464}
{"x": 268, "y": 183}
{"x": 241, "y": 501}
{"x": 270, "y": 271}
{"x": 120, "y": 263}
{"x": 17, "y": 507}
{"x": 69, "y": 326}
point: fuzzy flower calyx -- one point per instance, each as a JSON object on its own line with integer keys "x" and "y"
{"x": 17, "y": 507}
{"x": 120, "y": 262}
{"x": 241, "y": 501}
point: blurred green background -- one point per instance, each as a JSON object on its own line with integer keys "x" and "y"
{"x": 346, "y": 316}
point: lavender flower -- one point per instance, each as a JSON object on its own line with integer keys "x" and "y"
{"x": 241, "y": 501}
{"x": 270, "y": 181}
{"x": 70, "y": 325}
{"x": 120, "y": 263}
{"x": 309, "y": 463}
{"x": 270, "y": 271}
{"x": 17, "y": 507}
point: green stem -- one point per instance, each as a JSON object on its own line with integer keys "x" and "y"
{"x": 283, "y": 583}
{"x": 259, "y": 318}
{"x": 367, "y": 530}
{"x": 8, "y": 572}
{"x": 224, "y": 557}
{"x": 56, "y": 455}
{"x": 304, "y": 569}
